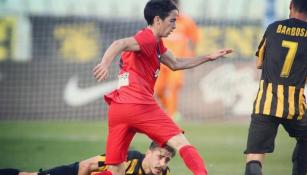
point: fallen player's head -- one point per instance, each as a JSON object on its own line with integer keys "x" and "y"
{"x": 157, "y": 158}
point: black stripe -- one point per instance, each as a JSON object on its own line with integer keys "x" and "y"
{"x": 296, "y": 103}
{"x": 274, "y": 100}
{"x": 158, "y": 53}
{"x": 263, "y": 98}
{"x": 286, "y": 104}
{"x": 121, "y": 63}
{"x": 255, "y": 101}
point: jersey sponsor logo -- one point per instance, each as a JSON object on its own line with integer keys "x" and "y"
{"x": 123, "y": 80}
{"x": 76, "y": 96}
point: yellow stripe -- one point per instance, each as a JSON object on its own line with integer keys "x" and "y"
{"x": 268, "y": 100}
{"x": 167, "y": 172}
{"x": 132, "y": 166}
{"x": 291, "y": 102}
{"x": 140, "y": 171}
{"x": 301, "y": 104}
{"x": 261, "y": 51}
{"x": 280, "y": 101}
{"x": 102, "y": 159}
{"x": 260, "y": 92}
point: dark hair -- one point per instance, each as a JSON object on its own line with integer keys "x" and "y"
{"x": 160, "y": 8}
{"x": 154, "y": 145}
{"x": 300, "y": 5}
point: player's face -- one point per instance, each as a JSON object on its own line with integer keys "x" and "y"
{"x": 158, "y": 160}
{"x": 168, "y": 24}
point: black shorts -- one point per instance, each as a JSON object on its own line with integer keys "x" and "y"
{"x": 263, "y": 130}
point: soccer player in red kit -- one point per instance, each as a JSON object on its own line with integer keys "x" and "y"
{"x": 132, "y": 107}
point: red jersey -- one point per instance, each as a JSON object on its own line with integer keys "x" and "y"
{"x": 139, "y": 71}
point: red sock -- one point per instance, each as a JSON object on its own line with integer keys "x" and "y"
{"x": 193, "y": 160}
{"x": 104, "y": 173}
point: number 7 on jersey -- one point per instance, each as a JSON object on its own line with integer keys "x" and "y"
{"x": 292, "y": 49}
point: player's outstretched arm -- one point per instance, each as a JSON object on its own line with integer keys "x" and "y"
{"x": 101, "y": 71}
{"x": 186, "y": 63}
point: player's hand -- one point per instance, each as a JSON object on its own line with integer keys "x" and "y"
{"x": 100, "y": 72}
{"x": 220, "y": 53}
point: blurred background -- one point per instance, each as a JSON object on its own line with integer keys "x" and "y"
{"x": 48, "y": 49}
{"x": 50, "y": 103}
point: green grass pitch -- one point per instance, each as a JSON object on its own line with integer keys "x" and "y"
{"x": 33, "y": 145}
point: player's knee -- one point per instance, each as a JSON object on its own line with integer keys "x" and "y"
{"x": 253, "y": 167}
{"x": 178, "y": 141}
{"x": 303, "y": 143}
{"x": 299, "y": 157}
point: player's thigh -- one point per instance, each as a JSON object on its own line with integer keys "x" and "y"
{"x": 118, "y": 141}
{"x": 261, "y": 134}
{"x": 296, "y": 128}
{"x": 156, "y": 124}
{"x": 120, "y": 133}
{"x": 178, "y": 141}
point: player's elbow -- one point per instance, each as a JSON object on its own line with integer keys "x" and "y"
{"x": 259, "y": 65}
{"x": 174, "y": 67}
{"x": 172, "y": 64}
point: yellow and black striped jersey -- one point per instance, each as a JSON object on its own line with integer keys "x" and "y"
{"x": 283, "y": 51}
{"x": 133, "y": 164}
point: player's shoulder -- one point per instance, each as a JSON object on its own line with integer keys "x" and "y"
{"x": 274, "y": 25}
{"x": 145, "y": 32}
{"x": 145, "y": 36}
{"x": 291, "y": 22}
{"x": 135, "y": 155}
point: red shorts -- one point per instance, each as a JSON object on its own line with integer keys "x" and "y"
{"x": 125, "y": 120}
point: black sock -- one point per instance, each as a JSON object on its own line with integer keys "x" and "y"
{"x": 71, "y": 169}
{"x": 9, "y": 171}
{"x": 253, "y": 168}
